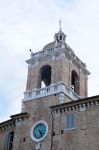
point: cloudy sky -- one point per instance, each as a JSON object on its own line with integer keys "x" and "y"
{"x": 31, "y": 24}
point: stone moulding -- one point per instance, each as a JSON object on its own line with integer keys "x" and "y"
{"x": 45, "y": 54}
{"x": 80, "y": 105}
{"x": 13, "y": 121}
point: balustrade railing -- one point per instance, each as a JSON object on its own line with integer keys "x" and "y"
{"x": 50, "y": 90}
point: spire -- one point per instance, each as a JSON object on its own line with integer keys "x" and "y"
{"x": 60, "y": 36}
{"x": 60, "y": 25}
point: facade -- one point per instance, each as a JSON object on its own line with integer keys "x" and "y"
{"x": 76, "y": 125}
{"x": 56, "y": 111}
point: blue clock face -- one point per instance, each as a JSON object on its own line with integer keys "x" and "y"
{"x": 39, "y": 131}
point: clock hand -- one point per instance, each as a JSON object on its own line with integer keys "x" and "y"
{"x": 40, "y": 133}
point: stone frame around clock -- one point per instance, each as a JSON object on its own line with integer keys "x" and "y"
{"x": 32, "y": 129}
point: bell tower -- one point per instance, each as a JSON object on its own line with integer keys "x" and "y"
{"x": 56, "y": 69}
{"x": 55, "y": 75}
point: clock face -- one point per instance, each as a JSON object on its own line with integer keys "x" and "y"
{"x": 39, "y": 131}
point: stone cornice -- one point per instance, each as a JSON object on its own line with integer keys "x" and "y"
{"x": 81, "y": 104}
{"x": 12, "y": 122}
{"x": 21, "y": 115}
{"x": 49, "y": 53}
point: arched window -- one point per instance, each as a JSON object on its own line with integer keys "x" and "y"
{"x": 45, "y": 76}
{"x": 75, "y": 82}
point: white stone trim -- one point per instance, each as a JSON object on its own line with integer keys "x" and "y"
{"x": 57, "y": 88}
{"x": 61, "y": 98}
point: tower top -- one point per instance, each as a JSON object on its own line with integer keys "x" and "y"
{"x": 56, "y": 69}
{"x": 60, "y": 36}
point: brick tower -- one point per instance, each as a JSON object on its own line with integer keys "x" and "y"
{"x": 55, "y": 76}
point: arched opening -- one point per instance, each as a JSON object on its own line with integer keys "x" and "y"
{"x": 75, "y": 82}
{"x": 60, "y": 38}
{"x": 45, "y": 76}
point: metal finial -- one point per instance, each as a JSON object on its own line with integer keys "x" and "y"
{"x": 60, "y": 25}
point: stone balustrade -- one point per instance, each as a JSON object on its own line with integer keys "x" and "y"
{"x": 60, "y": 87}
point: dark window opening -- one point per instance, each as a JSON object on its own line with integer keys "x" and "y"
{"x": 60, "y": 38}
{"x": 8, "y": 141}
{"x": 24, "y": 139}
{"x": 45, "y": 76}
{"x": 53, "y": 134}
{"x": 62, "y": 131}
{"x": 75, "y": 82}
{"x": 11, "y": 135}
{"x": 57, "y": 38}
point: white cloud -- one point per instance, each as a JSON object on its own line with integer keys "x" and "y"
{"x": 32, "y": 24}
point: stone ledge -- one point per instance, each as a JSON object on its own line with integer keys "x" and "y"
{"x": 14, "y": 119}
{"x": 80, "y": 105}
